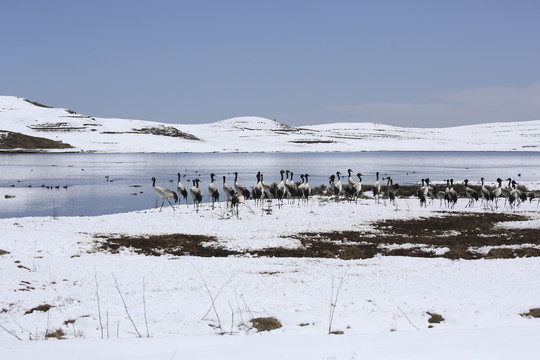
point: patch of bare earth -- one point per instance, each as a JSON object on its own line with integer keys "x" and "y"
{"x": 452, "y": 236}
{"x": 13, "y": 140}
{"x": 157, "y": 245}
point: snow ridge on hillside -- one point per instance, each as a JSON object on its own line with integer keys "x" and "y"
{"x": 253, "y": 134}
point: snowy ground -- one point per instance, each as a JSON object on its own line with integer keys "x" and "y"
{"x": 381, "y": 308}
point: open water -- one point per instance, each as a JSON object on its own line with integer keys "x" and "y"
{"x": 98, "y": 184}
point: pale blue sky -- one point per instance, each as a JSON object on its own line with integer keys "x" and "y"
{"x": 409, "y": 63}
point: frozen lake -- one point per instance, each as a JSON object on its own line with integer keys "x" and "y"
{"x": 96, "y": 184}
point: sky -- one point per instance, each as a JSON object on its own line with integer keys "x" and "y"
{"x": 406, "y": 63}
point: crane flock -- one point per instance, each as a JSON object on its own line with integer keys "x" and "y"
{"x": 289, "y": 190}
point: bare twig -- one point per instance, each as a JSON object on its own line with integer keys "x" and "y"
{"x": 247, "y": 307}
{"x": 333, "y": 301}
{"x": 212, "y": 298}
{"x": 11, "y": 333}
{"x": 98, "y": 303}
{"x": 232, "y": 317}
{"x": 144, "y": 307}
{"x": 125, "y": 306}
{"x": 34, "y": 259}
{"x": 406, "y": 317}
{"x": 48, "y": 323}
{"x": 239, "y": 307}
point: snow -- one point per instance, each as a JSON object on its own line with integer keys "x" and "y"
{"x": 382, "y": 305}
{"x": 255, "y": 134}
{"x": 383, "y": 301}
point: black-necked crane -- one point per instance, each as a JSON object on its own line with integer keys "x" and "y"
{"x": 520, "y": 195}
{"x": 470, "y": 193}
{"x": 337, "y": 187}
{"x": 196, "y": 193}
{"x": 484, "y": 193}
{"x": 241, "y": 189}
{"x": 236, "y": 201}
{"x": 281, "y": 190}
{"x": 354, "y": 188}
{"x": 213, "y": 190}
{"x": 307, "y": 189}
{"x": 300, "y": 188}
{"x": 266, "y": 188}
{"x": 441, "y": 195}
{"x": 332, "y": 183}
{"x": 448, "y": 195}
{"x": 182, "y": 191}
{"x": 422, "y": 192}
{"x": 228, "y": 190}
{"x": 452, "y": 194}
{"x": 376, "y": 188}
{"x": 391, "y": 189}
{"x": 291, "y": 186}
{"x": 499, "y": 192}
{"x": 164, "y": 194}
{"x": 513, "y": 197}
{"x": 257, "y": 190}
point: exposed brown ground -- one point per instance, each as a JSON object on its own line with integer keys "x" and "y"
{"x": 13, "y": 140}
{"x": 461, "y": 234}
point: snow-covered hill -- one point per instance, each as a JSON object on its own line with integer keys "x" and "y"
{"x": 251, "y": 134}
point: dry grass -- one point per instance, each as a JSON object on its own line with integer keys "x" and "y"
{"x": 265, "y": 323}
{"x": 35, "y": 103}
{"x": 434, "y": 318}
{"x": 42, "y": 308}
{"x": 57, "y": 334}
{"x": 533, "y": 313}
{"x": 454, "y": 235}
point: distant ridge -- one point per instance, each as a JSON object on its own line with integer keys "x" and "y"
{"x": 248, "y": 134}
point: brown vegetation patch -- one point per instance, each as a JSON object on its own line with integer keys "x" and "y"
{"x": 58, "y": 334}
{"x": 35, "y": 103}
{"x": 42, "y": 308}
{"x": 535, "y": 313}
{"x": 461, "y": 234}
{"x": 166, "y": 131}
{"x": 313, "y": 141}
{"x": 265, "y": 323}
{"x": 3, "y": 252}
{"x": 13, "y": 140}
{"x": 157, "y": 245}
{"x": 434, "y": 318}
{"x": 58, "y": 126}
{"x": 449, "y": 235}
